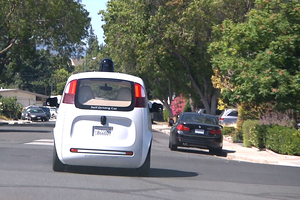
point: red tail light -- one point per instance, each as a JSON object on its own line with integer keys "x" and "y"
{"x": 180, "y": 127}
{"x": 217, "y": 131}
{"x": 74, "y": 150}
{"x": 221, "y": 119}
{"x": 140, "y": 96}
{"x": 69, "y": 94}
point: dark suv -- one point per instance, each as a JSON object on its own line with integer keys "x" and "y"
{"x": 45, "y": 109}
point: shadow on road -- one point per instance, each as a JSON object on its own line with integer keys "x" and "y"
{"x": 154, "y": 172}
{"x": 204, "y": 152}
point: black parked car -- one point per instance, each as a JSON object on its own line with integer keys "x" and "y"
{"x": 197, "y": 130}
{"x": 35, "y": 114}
{"x": 47, "y": 111}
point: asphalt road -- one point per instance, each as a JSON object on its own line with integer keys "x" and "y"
{"x": 26, "y": 173}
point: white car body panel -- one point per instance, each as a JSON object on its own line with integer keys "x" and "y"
{"x": 131, "y": 132}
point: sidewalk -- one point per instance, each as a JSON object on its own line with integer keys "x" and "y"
{"x": 236, "y": 151}
{"x": 10, "y": 122}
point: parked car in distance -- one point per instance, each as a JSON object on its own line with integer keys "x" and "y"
{"x": 24, "y": 114}
{"x": 44, "y": 108}
{"x": 197, "y": 130}
{"x": 36, "y": 114}
{"x": 229, "y": 117}
{"x": 203, "y": 111}
{"x": 47, "y": 111}
{"x": 103, "y": 121}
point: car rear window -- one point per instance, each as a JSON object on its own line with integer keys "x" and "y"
{"x": 233, "y": 113}
{"x": 104, "y": 94}
{"x": 198, "y": 119}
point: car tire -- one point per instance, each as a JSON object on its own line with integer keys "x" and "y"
{"x": 172, "y": 146}
{"x": 144, "y": 170}
{"x": 216, "y": 151}
{"x": 57, "y": 166}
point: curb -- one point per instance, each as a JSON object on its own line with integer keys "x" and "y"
{"x": 25, "y": 123}
{"x": 3, "y": 123}
{"x": 251, "y": 158}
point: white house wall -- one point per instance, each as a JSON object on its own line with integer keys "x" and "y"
{"x": 24, "y": 98}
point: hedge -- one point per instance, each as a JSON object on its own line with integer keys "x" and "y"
{"x": 280, "y": 139}
{"x": 247, "y": 125}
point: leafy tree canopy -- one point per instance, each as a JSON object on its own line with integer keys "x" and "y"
{"x": 258, "y": 60}
{"x": 166, "y": 41}
{"x": 58, "y": 25}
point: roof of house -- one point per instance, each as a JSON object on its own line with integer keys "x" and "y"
{"x": 22, "y": 91}
{"x": 76, "y": 62}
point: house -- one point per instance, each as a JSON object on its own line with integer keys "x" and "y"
{"x": 76, "y": 62}
{"x": 24, "y": 97}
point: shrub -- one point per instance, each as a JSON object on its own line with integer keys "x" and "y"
{"x": 257, "y": 135}
{"x": 166, "y": 115}
{"x": 238, "y": 136}
{"x": 247, "y": 125}
{"x": 177, "y": 105}
{"x": 284, "y": 140}
{"x": 228, "y": 130}
{"x": 278, "y": 118}
{"x": 10, "y": 108}
{"x": 187, "y": 107}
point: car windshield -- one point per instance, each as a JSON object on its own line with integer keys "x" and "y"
{"x": 198, "y": 119}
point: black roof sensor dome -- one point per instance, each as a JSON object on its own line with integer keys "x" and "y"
{"x": 107, "y": 65}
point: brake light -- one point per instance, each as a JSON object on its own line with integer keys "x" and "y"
{"x": 140, "y": 96}
{"x": 180, "y": 127}
{"x": 221, "y": 119}
{"x": 216, "y": 131}
{"x": 69, "y": 94}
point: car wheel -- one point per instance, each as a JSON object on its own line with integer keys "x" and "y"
{"x": 172, "y": 146}
{"x": 144, "y": 170}
{"x": 57, "y": 166}
{"x": 216, "y": 151}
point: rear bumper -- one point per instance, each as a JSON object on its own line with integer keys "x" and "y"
{"x": 39, "y": 118}
{"x": 103, "y": 158}
{"x": 204, "y": 143}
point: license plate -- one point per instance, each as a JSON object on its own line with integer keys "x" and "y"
{"x": 39, "y": 117}
{"x": 102, "y": 131}
{"x": 199, "y": 131}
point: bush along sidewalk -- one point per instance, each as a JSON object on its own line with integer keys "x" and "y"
{"x": 280, "y": 139}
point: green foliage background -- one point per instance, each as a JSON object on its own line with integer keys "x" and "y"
{"x": 10, "y": 108}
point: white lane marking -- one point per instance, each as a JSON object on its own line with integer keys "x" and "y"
{"x": 48, "y": 142}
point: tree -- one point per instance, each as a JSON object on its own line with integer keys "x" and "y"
{"x": 166, "y": 41}
{"x": 260, "y": 57}
{"x": 36, "y": 72}
{"x": 93, "y": 44}
{"x": 58, "y": 25}
{"x": 58, "y": 81}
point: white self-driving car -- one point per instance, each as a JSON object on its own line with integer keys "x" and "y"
{"x": 103, "y": 121}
